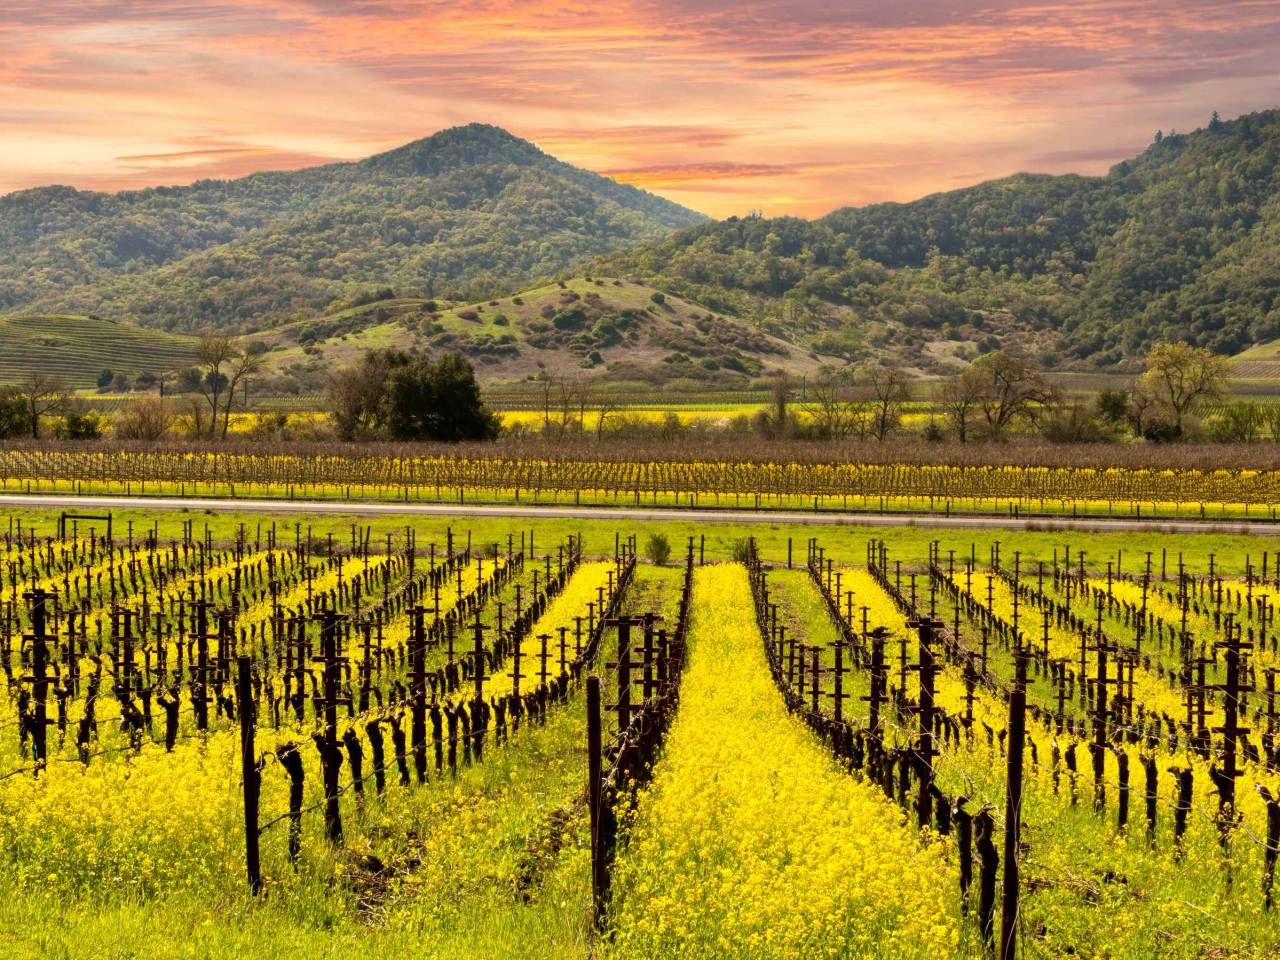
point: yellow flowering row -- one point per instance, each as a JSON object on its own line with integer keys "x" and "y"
{"x": 751, "y": 842}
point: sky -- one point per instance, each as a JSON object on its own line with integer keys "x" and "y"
{"x": 727, "y": 106}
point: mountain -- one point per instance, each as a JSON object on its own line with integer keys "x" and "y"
{"x": 469, "y": 209}
{"x": 1180, "y": 242}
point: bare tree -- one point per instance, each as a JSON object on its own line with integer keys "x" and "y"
{"x": 959, "y": 396}
{"x": 890, "y": 388}
{"x": 42, "y": 394}
{"x": 1013, "y": 388}
{"x": 213, "y": 355}
{"x": 1183, "y": 377}
{"x": 244, "y": 367}
{"x": 836, "y": 410}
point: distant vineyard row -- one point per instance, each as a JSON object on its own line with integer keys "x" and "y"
{"x": 584, "y": 481}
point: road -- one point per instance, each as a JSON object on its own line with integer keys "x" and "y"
{"x": 514, "y": 511}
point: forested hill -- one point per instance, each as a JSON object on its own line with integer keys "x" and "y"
{"x": 1180, "y": 242}
{"x": 465, "y": 210}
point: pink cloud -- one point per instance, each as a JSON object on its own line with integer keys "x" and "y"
{"x": 814, "y": 103}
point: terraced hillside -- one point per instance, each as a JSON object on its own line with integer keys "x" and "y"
{"x": 78, "y": 348}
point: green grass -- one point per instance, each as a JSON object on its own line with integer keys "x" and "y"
{"x": 79, "y": 348}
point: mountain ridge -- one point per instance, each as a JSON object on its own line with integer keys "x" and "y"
{"x": 1180, "y": 242}
{"x": 65, "y": 251}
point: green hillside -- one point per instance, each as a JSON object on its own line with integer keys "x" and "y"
{"x": 1180, "y": 242}
{"x": 578, "y": 328}
{"x": 78, "y": 348}
{"x": 469, "y": 209}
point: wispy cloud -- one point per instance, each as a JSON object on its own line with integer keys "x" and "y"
{"x": 794, "y": 105}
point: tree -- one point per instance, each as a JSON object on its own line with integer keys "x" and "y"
{"x": 79, "y": 422}
{"x": 1013, "y": 388}
{"x": 890, "y": 388}
{"x": 105, "y": 378}
{"x": 388, "y": 393}
{"x": 14, "y": 420}
{"x": 245, "y": 365}
{"x": 1183, "y": 378}
{"x": 958, "y": 397}
{"x": 835, "y": 410}
{"x": 438, "y": 401}
{"x": 42, "y": 394}
{"x": 1113, "y": 405}
{"x": 357, "y": 394}
{"x": 213, "y": 354}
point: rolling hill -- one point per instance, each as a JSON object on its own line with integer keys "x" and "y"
{"x": 576, "y": 328}
{"x": 1181, "y": 242}
{"x": 469, "y": 209}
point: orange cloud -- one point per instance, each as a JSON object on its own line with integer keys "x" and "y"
{"x": 797, "y": 106}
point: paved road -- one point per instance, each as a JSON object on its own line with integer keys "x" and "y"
{"x": 371, "y": 509}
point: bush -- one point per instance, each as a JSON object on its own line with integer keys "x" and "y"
{"x": 79, "y": 424}
{"x": 658, "y": 297}
{"x": 500, "y": 320}
{"x": 571, "y": 319}
{"x": 15, "y": 421}
{"x": 148, "y": 419}
{"x": 741, "y": 549}
{"x": 657, "y": 548}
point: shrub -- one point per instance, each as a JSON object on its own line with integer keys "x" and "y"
{"x": 741, "y": 549}
{"x": 147, "y": 419}
{"x": 79, "y": 424}
{"x": 658, "y": 297}
{"x": 657, "y": 548}
{"x": 571, "y": 318}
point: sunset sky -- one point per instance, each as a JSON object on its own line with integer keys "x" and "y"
{"x": 723, "y": 105}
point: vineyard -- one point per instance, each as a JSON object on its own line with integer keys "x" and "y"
{"x": 300, "y": 739}
{"x": 1073, "y": 491}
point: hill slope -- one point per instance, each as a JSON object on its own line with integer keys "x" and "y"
{"x": 1182, "y": 241}
{"x": 468, "y": 208}
{"x": 578, "y": 329}
{"x": 79, "y": 348}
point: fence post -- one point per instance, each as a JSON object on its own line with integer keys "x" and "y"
{"x": 249, "y": 772}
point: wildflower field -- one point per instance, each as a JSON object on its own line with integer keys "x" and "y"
{"x": 228, "y": 736}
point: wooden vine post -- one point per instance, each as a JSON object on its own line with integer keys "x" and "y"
{"x": 250, "y": 772}
{"x": 595, "y": 790}
{"x": 39, "y": 679}
{"x": 1017, "y": 730}
{"x": 328, "y": 743}
{"x": 925, "y": 751}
